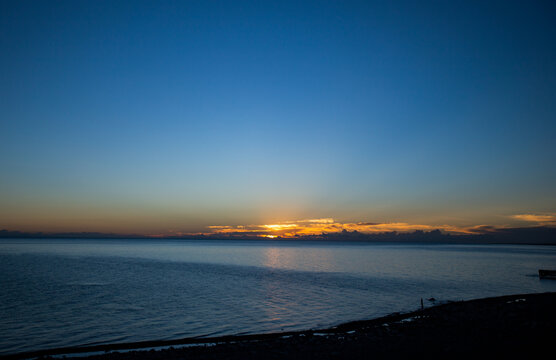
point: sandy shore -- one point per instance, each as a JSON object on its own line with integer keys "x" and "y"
{"x": 517, "y": 326}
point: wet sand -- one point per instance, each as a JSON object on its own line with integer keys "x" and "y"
{"x": 517, "y": 326}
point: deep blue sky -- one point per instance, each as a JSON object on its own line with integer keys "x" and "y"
{"x": 154, "y": 116}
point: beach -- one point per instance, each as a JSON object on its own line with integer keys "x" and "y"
{"x": 516, "y": 326}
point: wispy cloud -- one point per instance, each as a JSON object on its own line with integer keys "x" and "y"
{"x": 320, "y": 221}
{"x": 545, "y": 219}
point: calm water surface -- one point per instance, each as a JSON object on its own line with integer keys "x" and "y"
{"x": 74, "y": 292}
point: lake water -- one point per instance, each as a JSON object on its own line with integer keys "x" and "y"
{"x": 58, "y": 293}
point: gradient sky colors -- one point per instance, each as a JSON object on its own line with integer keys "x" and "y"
{"x": 159, "y": 117}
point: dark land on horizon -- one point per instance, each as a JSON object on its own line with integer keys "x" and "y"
{"x": 516, "y": 326}
{"x": 539, "y": 235}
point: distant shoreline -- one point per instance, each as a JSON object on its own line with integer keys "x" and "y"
{"x": 547, "y": 238}
{"x": 502, "y": 324}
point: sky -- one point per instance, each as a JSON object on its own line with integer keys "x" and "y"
{"x": 168, "y": 117}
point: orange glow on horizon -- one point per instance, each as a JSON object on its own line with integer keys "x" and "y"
{"x": 285, "y": 228}
{"x": 278, "y": 227}
{"x": 290, "y": 229}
